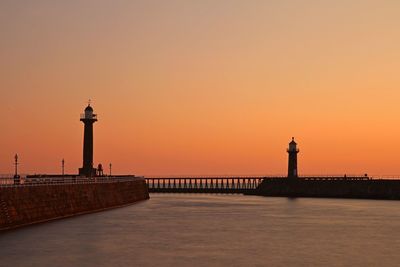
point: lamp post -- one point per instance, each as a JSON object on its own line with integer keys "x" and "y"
{"x": 16, "y": 176}
{"x": 62, "y": 166}
{"x": 16, "y": 164}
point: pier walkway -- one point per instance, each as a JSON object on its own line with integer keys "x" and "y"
{"x": 222, "y": 185}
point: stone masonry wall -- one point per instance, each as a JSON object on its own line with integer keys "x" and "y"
{"x": 367, "y": 189}
{"x": 31, "y": 204}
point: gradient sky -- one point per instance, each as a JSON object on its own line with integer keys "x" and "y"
{"x": 202, "y": 87}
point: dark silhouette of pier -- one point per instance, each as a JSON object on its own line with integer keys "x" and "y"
{"x": 225, "y": 185}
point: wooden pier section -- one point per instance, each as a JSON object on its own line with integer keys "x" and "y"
{"x": 222, "y": 185}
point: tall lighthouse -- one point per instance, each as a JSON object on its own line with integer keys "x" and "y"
{"x": 88, "y": 118}
{"x": 292, "y": 151}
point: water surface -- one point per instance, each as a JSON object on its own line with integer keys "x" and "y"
{"x": 215, "y": 230}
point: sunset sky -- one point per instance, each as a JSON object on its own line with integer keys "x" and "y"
{"x": 202, "y": 87}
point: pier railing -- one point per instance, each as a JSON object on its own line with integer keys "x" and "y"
{"x": 84, "y": 116}
{"x": 233, "y": 184}
{"x": 10, "y": 181}
{"x": 215, "y": 184}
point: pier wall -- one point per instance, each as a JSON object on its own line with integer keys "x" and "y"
{"x": 366, "y": 189}
{"x": 23, "y": 205}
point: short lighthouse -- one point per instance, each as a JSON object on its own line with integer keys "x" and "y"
{"x": 88, "y": 118}
{"x": 292, "y": 151}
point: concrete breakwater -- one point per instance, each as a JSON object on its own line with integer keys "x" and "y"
{"x": 28, "y": 204}
{"x": 362, "y": 189}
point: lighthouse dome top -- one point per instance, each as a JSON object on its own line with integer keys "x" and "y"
{"x": 292, "y": 146}
{"x": 88, "y": 114}
{"x": 89, "y": 108}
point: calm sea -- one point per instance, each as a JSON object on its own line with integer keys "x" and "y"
{"x": 216, "y": 230}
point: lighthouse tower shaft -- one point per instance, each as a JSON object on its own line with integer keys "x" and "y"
{"x": 292, "y": 166}
{"x": 88, "y": 118}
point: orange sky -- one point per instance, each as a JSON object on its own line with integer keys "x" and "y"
{"x": 202, "y": 87}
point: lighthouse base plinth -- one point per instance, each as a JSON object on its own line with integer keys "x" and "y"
{"x": 88, "y": 172}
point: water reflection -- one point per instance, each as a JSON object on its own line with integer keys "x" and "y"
{"x": 215, "y": 230}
